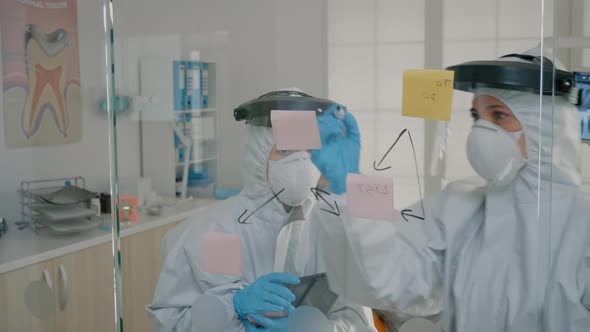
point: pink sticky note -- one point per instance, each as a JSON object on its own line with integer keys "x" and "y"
{"x": 295, "y": 130}
{"x": 370, "y": 196}
{"x": 221, "y": 253}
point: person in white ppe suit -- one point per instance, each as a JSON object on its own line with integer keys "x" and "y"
{"x": 512, "y": 254}
{"x": 275, "y": 237}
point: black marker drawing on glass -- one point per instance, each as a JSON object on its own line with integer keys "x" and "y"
{"x": 376, "y": 166}
{"x": 258, "y": 208}
{"x": 335, "y": 210}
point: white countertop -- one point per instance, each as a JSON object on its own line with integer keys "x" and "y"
{"x": 20, "y": 248}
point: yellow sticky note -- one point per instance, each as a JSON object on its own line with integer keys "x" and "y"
{"x": 428, "y": 94}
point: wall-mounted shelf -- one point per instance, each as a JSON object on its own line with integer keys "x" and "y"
{"x": 197, "y": 111}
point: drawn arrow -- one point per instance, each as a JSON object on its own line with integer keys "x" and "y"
{"x": 387, "y": 153}
{"x": 408, "y": 213}
{"x": 258, "y": 208}
{"x": 335, "y": 210}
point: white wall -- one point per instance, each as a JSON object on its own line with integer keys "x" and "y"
{"x": 259, "y": 46}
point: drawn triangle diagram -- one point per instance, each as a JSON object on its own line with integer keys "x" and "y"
{"x": 377, "y": 166}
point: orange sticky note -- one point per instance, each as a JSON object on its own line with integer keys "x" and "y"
{"x": 295, "y": 130}
{"x": 221, "y": 253}
{"x": 428, "y": 94}
{"x": 370, "y": 196}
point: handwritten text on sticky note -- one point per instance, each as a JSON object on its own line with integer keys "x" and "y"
{"x": 370, "y": 196}
{"x": 428, "y": 94}
{"x": 295, "y": 130}
{"x": 221, "y": 253}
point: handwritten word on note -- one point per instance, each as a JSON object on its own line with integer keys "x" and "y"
{"x": 295, "y": 130}
{"x": 428, "y": 94}
{"x": 370, "y": 196}
{"x": 221, "y": 253}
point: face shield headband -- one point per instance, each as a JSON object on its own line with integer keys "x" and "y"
{"x": 256, "y": 112}
{"x": 527, "y": 73}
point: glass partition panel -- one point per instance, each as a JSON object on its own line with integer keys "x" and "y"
{"x": 325, "y": 141}
{"x": 57, "y": 167}
{"x": 566, "y": 155}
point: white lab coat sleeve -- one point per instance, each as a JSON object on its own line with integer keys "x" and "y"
{"x": 400, "y": 268}
{"x": 346, "y": 317}
{"x": 394, "y": 266}
{"x": 182, "y": 286}
{"x": 402, "y": 262}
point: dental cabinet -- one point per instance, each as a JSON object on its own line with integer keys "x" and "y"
{"x": 77, "y": 269}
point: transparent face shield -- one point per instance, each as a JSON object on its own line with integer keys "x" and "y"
{"x": 503, "y": 102}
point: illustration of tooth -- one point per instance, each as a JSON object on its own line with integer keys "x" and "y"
{"x": 47, "y": 56}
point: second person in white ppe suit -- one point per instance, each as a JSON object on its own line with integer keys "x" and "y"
{"x": 511, "y": 255}
{"x": 275, "y": 237}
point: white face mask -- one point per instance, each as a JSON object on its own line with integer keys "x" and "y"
{"x": 295, "y": 175}
{"x": 494, "y": 153}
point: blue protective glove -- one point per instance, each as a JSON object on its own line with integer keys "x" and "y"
{"x": 265, "y": 295}
{"x": 341, "y": 148}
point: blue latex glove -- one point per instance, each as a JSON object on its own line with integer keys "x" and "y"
{"x": 269, "y": 325}
{"x": 265, "y": 295}
{"x": 341, "y": 148}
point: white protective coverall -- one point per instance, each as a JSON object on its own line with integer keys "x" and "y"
{"x": 273, "y": 240}
{"x": 511, "y": 260}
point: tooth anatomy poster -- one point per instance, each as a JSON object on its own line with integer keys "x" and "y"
{"x": 41, "y": 102}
